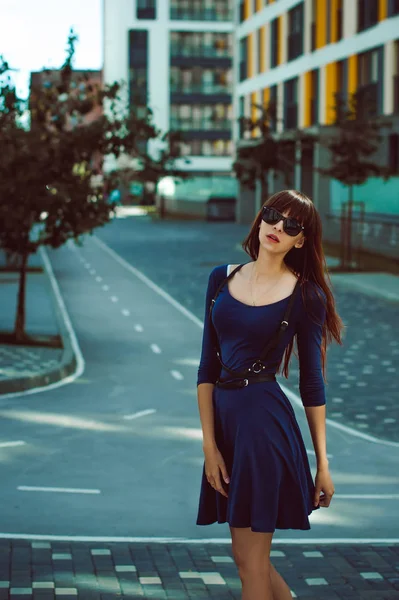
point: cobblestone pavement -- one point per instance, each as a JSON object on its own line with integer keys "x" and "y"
{"x": 362, "y": 374}
{"x": 99, "y": 571}
{"x": 23, "y": 361}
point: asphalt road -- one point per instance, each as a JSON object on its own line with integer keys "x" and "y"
{"x": 121, "y": 445}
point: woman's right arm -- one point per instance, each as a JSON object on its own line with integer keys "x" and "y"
{"x": 208, "y": 374}
{"x": 208, "y": 370}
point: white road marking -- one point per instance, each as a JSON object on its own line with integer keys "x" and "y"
{"x": 139, "y": 414}
{"x": 368, "y": 496}
{"x": 139, "y": 328}
{"x": 99, "y": 279}
{"x": 156, "y": 349}
{"x": 176, "y": 540}
{"x": 80, "y": 363}
{"x": 153, "y": 286}
{"x": 11, "y": 444}
{"x": 88, "y": 265}
{"x": 291, "y": 395}
{"x": 114, "y": 298}
{"x": 92, "y": 272}
{"x": 27, "y": 488}
{"x": 126, "y": 312}
{"x": 177, "y": 375}
{"x": 105, "y": 288}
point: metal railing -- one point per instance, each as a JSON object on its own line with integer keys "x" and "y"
{"x": 200, "y": 88}
{"x": 201, "y": 14}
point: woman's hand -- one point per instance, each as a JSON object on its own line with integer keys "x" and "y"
{"x": 323, "y": 483}
{"x": 214, "y": 467}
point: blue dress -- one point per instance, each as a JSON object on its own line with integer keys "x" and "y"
{"x": 271, "y": 485}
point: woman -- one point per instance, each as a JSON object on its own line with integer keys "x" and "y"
{"x": 256, "y": 474}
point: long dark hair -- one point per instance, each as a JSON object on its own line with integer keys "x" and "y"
{"x": 308, "y": 263}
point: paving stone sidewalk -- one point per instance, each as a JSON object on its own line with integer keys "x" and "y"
{"x": 362, "y": 375}
{"x": 180, "y": 571}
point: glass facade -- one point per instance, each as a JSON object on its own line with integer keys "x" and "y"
{"x": 367, "y": 14}
{"x": 201, "y": 10}
{"x": 207, "y": 148}
{"x": 295, "y": 32}
{"x": 370, "y": 78}
{"x": 138, "y": 69}
{"x": 291, "y": 103}
{"x": 201, "y": 44}
{"x": 146, "y": 9}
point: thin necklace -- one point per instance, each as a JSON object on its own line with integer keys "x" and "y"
{"x": 269, "y": 289}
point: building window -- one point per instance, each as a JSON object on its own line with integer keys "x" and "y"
{"x": 201, "y": 147}
{"x": 274, "y": 42}
{"x": 393, "y": 153}
{"x": 243, "y": 59}
{"x": 393, "y": 8}
{"x": 291, "y": 103}
{"x": 367, "y": 14}
{"x": 241, "y": 11}
{"x": 340, "y": 16}
{"x": 138, "y": 68}
{"x": 259, "y": 50}
{"x": 201, "y": 10}
{"x": 396, "y": 80}
{"x": 314, "y": 97}
{"x": 313, "y": 26}
{"x": 370, "y": 80}
{"x": 295, "y": 32}
{"x": 146, "y": 9}
{"x": 201, "y": 45}
{"x": 273, "y": 107}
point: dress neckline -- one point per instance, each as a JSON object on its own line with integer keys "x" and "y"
{"x": 256, "y": 305}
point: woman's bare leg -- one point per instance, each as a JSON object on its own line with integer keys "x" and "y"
{"x": 259, "y": 578}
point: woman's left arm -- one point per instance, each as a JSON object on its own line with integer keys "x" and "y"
{"x": 312, "y": 389}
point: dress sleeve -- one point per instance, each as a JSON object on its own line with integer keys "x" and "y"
{"x": 209, "y": 367}
{"x": 309, "y": 338}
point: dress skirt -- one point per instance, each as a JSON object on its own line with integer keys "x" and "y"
{"x": 271, "y": 485}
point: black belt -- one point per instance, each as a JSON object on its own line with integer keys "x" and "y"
{"x": 243, "y": 382}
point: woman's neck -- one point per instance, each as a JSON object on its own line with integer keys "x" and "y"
{"x": 269, "y": 265}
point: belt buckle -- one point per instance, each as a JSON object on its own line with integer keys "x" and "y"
{"x": 257, "y": 363}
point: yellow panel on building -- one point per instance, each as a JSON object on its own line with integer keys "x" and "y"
{"x": 247, "y": 9}
{"x": 259, "y": 5}
{"x": 382, "y": 10}
{"x": 352, "y": 74}
{"x": 334, "y": 21}
{"x": 321, "y": 23}
{"x": 262, "y": 49}
{"x": 266, "y": 97}
{"x": 331, "y": 90}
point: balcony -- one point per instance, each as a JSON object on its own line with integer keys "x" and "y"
{"x": 200, "y": 124}
{"x": 204, "y": 14}
{"x": 201, "y": 88}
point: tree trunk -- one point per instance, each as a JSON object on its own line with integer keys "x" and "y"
{"x": 349, "y": 228}
{"x": 20, "y": 317}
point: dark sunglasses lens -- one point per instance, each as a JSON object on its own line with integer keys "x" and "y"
{"x": 270, "y": 215}
{"x": 292, "y": 227}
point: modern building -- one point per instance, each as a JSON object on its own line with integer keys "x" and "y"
{"x": 176, "y": 57}
{"x": 299, "y": 54}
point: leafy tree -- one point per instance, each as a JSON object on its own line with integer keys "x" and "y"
{"x": 353, "y": 142}
{"x": 267, "y": 151}
{"x": 50, "y": 191}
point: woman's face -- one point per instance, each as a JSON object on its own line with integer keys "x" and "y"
{"x": 274, "y": 239}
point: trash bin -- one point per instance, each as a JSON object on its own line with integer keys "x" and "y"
{"x": 221, "y": 209}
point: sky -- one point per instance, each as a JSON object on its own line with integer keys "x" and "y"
{"x": 34, "y": 35}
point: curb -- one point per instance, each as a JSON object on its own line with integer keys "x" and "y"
{"x": 68, "y": 363}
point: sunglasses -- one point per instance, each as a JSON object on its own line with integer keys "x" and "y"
{"x": 290, "y": 226}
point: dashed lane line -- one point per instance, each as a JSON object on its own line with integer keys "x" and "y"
{"x": 12, "y": 444}
{"x": 141, "y": 413}
{"x": 28, "y": 488}
{"x": 156, "y": 349}
{"x": 139, "y": 328}
{"x": 177, "y": 375}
